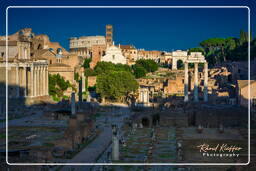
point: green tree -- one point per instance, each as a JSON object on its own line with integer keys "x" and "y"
{"x": 76, "y": 76}
{"x": 139, "y": 71}
{"x": 86, "y": 63}
{"x": 89, "y": 72}
{"x": 57, "y": 85}
{"x": 116, "y": 84}
{"x": 196, "y": 49}
{"x": 149, "y": 64}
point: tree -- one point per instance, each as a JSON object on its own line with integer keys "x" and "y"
{"x": 57, "y": 85}
{"x": 86, "y": 63}
{"x": 196, "y": 49}
{"x": 89, "y": 72}
{"x": 149, "y": 64}
{"x": 139, "y": 71}
{"x": 76, "y": 76}
{"x": 116, "y": 84}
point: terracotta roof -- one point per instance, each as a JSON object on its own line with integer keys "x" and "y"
{"x": 127, "y": 47}
{"x": 244, "y": 83}
{"x": 40, "y": 52}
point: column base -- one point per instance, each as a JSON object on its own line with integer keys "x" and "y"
{"x": 186, "y": 99}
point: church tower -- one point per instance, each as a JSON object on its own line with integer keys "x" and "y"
{"x": 109, "y": 35}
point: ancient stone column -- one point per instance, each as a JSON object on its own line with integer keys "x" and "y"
{"x": 205, "y": 81}
{"x": 37, "y": 82}
{"x": 34, "y": 82}
{"x": 73, "y": 104}
{"x": 47, "y": 81}
{"x": 29, "y": 82}
{"x": 147, "y": 96}
{"x": 186, "y": 83}
{"x": 17, "y": 83}
{"x": 196, "y": 83}
{"x": 174, "y": 64}
{"x": 40, "y": 80}
{"x": 43, "y": 81}
{"x": 83, "y": 83}
{"x": 24, "y": 79}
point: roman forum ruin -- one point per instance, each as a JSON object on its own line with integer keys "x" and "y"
{"x": 174, "y": 110}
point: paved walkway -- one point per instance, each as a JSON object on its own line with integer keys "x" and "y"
{"x": 99, "y": 145}
{"x": 92, "y": 151}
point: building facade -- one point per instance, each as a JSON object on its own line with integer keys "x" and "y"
{"x": 82, "y": 46}
{"x": 114, "y": 54}
{"x": 27, "y": 76}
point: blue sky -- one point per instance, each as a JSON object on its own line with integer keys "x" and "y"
{"x": 151, "y": 29}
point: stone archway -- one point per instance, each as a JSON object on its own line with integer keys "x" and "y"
{"x": 180, "y": 64}
{"x": 175, "y": 62}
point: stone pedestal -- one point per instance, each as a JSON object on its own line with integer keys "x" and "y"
{"x": 115, "y": 148}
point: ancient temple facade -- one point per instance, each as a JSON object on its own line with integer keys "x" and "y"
{"x": 25, "y": 76}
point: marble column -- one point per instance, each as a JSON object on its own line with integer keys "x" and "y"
{"x": 205, "y": 81}
{"x": 17, "y": 83}
{"x": 186, "y": 83}
{"x": 196, "y": 82}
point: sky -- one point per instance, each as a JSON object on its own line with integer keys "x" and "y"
{"x": 151, "y": 29}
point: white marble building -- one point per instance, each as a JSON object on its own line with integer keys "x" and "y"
{"x": 114, "y": 55}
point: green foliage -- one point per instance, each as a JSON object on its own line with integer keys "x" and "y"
{"x": 86, "y": 63}
{"x": 149, "y": 64}
{"x": 196, "y": 49}
{"x": 139, "y": 71}
{"x": 57, "y": 86}
{"x": 115, "y": 84}
{"x": 218, "y": 50}
{"x": 89, "y": 72}
{"x": 76, "y": 77}
{"x": 105, "y": 67}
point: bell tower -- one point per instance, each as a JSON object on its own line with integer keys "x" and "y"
{"x": 109, "y": 35}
